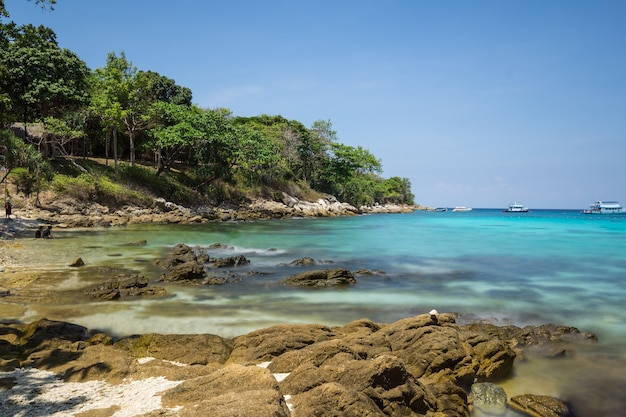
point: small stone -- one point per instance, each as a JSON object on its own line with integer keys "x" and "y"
{"x": 77, "y": 262}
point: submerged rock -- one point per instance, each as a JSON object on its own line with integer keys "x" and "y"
{"x": 123, "y": 286}
{"x": 489, "y": 398}
{"x": 321, "y": 278}
{"x": 540, "y": 406}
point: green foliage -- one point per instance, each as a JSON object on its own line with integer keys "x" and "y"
{"x": 171, "y": 187}
{"x": 16, "y": 154}
{"x": 39, "y": 77}
{"x": 97, "y": 189}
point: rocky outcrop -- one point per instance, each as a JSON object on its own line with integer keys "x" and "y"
{"x": 321, "y": 278}
{"x": 419, "y": 366}
{"x": 123, "y": 286}
{"x": 188, "y": 265}
{"x": 547, "y": 340}
{"x": 230, "y": 261}
{"x": 182, "y": 265}
{"x": 69, "y": 213}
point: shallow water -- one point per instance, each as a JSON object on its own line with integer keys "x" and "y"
{"x": 547, "y": 266}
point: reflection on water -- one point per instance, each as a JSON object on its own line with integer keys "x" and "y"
{"x": 524, "y": 270}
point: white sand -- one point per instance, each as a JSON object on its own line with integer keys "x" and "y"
{"x": 43, "y": 393}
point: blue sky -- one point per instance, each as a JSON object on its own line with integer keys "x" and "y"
{"x": 478, "y": 103}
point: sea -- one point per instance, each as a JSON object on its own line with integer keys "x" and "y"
{"x": 546, "y": 266}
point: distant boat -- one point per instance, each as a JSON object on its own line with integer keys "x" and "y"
{"x": 461, "y": 209}
{"x": 516, "y": 208}
{"x": 605, "y": 207}
{"x": 441, "y": 209}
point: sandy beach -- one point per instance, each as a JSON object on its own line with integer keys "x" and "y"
{"x": 36, "y": 392}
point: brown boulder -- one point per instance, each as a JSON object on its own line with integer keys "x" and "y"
{"x": 432, "y": 349}
{"x": 235, "y": 390}
{"x": 187, "y": 271}
{"x": 265, "y": 344}
{"x": 540, "y": 406}
{"x": 181, "y": 253}
{"x": 384, "y": 381}
{"x": 200, "y": 349}
{"x": 451, "y": 400}
{"x": 334, "y": 400}
{"x": 495, "y": 357}
{"x": 317, "y": 354}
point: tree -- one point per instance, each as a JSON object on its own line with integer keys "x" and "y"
{"x": 110, "y": 86}
{"x": 215, "y": 151}
{"x": 256, "y": 156}
{"x": 398, "y": 190}
{"x": 160, "y": 88}
{"x": 177, "y": 129}
{"x": 39, "y": 78}
{"x": 14, "y": 152}
{"x": 147, "y": 88}
{"x": 315, "y": 151}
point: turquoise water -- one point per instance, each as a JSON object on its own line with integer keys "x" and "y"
{"x": 546, "y": 266}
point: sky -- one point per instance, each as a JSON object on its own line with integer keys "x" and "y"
{"x": 478, "y": 103}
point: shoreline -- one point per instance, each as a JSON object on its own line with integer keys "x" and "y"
{"x": 68, "y": 214}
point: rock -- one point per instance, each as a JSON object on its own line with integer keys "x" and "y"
{"x": 182, "y": 265}
{"x": 414, "y": 366}
{"x": 321, "y": 278}
{"x": 4, "y": 292}
{"x": 231, "y": 261}
{"x": 180, "y": 254}
{"x": 265, "y": 344}
{"x": 433, "y": 351}
{"x": 489, "y": 398}
{"x": 333, "y": 399}
{"x": 231, "y": 391}
{"x": 547, "y": 340}
{"x": 304, "y": 261}
{"x": 77, "y": 262}
{"x": 137, "y": 243}
{"x": 540, "y": 406}
{"x": 200, "y": 349}
{"x": 220, "y": 246}
{"x": 123, "y": 286}
{"x": 451, "y": 400}
{"x": 188, "y": 271}
{"x": 495, "y": 356}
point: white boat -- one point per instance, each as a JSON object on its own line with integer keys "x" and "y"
{"x": 605, "y": 207}
{"x": 461, "y": 209}
{"x": 516, "y": 208}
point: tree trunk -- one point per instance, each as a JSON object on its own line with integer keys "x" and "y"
{"x": 131, "y": 142}
{"x": 115, "y": 151}
{"x": 107, "y": 140}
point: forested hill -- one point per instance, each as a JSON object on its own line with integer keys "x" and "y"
{"x": 135, "y": 117}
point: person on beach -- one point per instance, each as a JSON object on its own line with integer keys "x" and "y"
{"x": 7, "y": 208}
{"x": 47, "y": 233}
{"x": 39, "y": 233}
